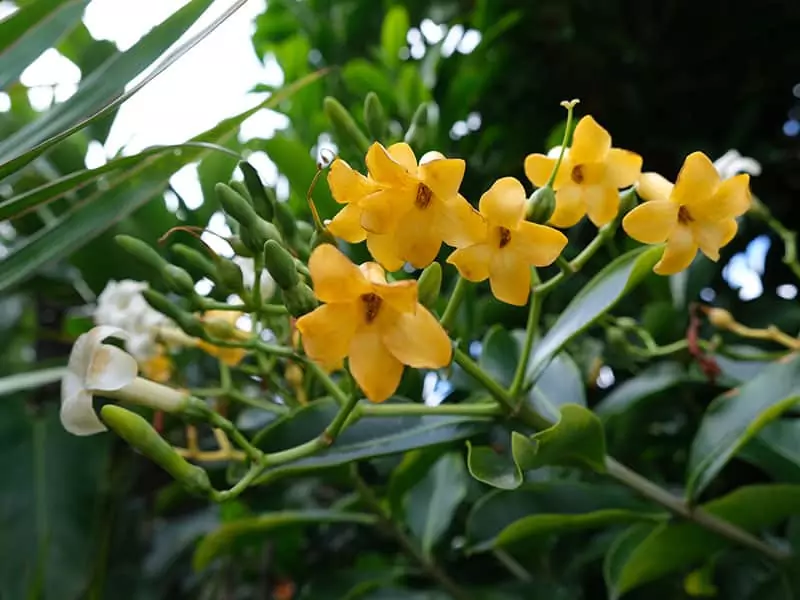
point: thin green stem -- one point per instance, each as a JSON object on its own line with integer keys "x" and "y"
{"x": 482, "y": 409}
{"x": 531, "y": 329}
{"x": 240, "y": 485}
{"x": 451, "y": 310}
{"x": 510, "y": 563}
{"x": 328, "y": 383}
{"x": 258, "y": 268}
{"x": 266, "y": 309}
{"x": 225, "y": 377}
{"x": 217, "y": 420}
{"x": 570, "y": 107}
{"x": 577, "y": 263}
{"x": 788, "y": 236}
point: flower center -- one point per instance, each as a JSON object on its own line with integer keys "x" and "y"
{"x": 505, "y": 237}
{"x": 577, "y": 174}
{"x": 424, "y": 195}
{"x": 684, "y": 216}
{"x": 372, "y": 305}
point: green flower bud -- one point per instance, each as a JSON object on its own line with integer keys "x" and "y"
{"x": 196, "y": 260}
{"x": 240, "y": 188}
{"x": 235, "y": 205}
{"x": 301, "y": 267}
{"x": 627, "y": 324}
{"x": 541, "y": 205}
{"x": 261, "y": 202}
{"x": 429, "y": 284}
{"x": 179, "y": 280}
{"x": 299, "y": 300}
{"x": 229, "y": 275}
{"x": 322, "y": 237}
{"x": 142, "y": 251}
{"x": 140, "y": 435}
{"x": 190, "y": 324}
{"x": 616, "y": 338}
{"x": 344, "y": 126}
{"x": 284, "y": 219}
{"x": 258, "y": 233}
{"x": 238, "y": 246}
{"x": 280, "y": 265}
{"x": 305, "y": 231}
{"x": 627, "y": 201}
{"x": 418, "y": 122}
{"x": 374, "y": 116}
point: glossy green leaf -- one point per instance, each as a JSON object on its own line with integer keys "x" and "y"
{"x": 492, "y": 468}
{"x": 560, "y": 383}
{"x": 595, "y": 299}
{"x": 734, "y": 418}
{"x": 736, "y": 370}
{"x": 678, "y": 545}
{"x": 504, "y": 518}
{"x": 33, "y": 379}
{"x": 219, "y": 541}
{"x": 393, "y": 34}
{"x": 366, "y": 438}
{"x": 652, "y": 380}
{"x": 499, "y": 355}
{"x": 577, "y": 439}
{"x": 776, "y": 450}
{"x": 412, "y": 468}
{"x": 431, "y": 505}
{"x": 621, "y": 549}
{"x": 31, "y": 30}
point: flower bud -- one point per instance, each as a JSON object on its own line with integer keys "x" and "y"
{"x": 322, "y": 237}
{"x": 240, "y": 188}
{"x": 196, "y": 260}
{"x": 284, "y": 219}
{"x": 299, "y": 300}
{"x": 261, "y": 202}
{"x": 720, "y": 318}
{"x": 238, "y": 246}
{"x": 627, "y": 201}
{"x": 616, "y": 338}
{"x": 219, "y": 328}
{"x": 429, "y": 284}
{"x": 541, "y": 205}
{"x": 178, "y": 280}
{"x": 280, "y": 265}
{"x": 142, "y": 251}
{"x": 627, "y": 324}
{"x": 374, "y": 116}
{"x": 345, "y": 128}
{"x": 139, "y": 434}
{"x": 236, "y": 205}
{"x": 257, "y": 233}
{"x": 305, "y": 231}
{"x": 229, "y": 274}
{"x": 186, "y": 321}
{"x": 418, "y": 122}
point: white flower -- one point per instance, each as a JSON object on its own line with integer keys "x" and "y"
{"x": 95, "y": 367}
{"x": 732, "y": 163}
{"x": 247, "y": 266}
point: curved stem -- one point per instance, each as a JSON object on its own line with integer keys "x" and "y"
{"x": 569, "y": 106}
{"x": 451, "y": 310}
{"x": 531, "y": 329}
{"x": 788, "y": 236}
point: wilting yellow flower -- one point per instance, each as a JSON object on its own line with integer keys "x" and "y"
{"x": 380, "y": 326}
{"x": 222, "y": 325}
{"x": 404, "y": 210}
{"x": 589, "y": 177}
{"x": 157, "y": 368}
{"x": 699, "y": 211}
{"x": 509, "y": 245}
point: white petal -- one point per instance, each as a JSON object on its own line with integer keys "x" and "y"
{"x": 77, "y": 414}
{"x": 85, "y": 346}
{"x": 110, "y": 369}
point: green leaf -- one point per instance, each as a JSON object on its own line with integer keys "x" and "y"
{"x": 735, "y": 417}
{"x": 492, "y": 468}
{"x": 499, "y": 355}
{"x": 393, "y": 34}
{"x": 219, "y": 541}
{"x": 596, "y": 298}
{"x": 535, "y": 509}
{"x": 620, "y": 551}
{"x": 431, "y": 505}
{"x": 33, "y": 379}
{"x": 366, "y": 438}
{"x": 408, "y": 473}
{"x": 577, "y": 439}
{"x": 560, "y": 383}
{"x": 31, "y": 30}
{"x": 776, "y": 449}
{"x": 652, "y": 380}
{"x": 677, "y": 545}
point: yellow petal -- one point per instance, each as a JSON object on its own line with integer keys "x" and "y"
{"x": 458, "y": 223}
{"x": 652, "y": 186}
{"x": 538, "y": 168}
{"x": 373, "y": 272}
{"x": 510, "y": 278}
{"x": 570, "y": 207}
{"x": 651, "y": 222}
{"x": 328, "y": 330}
{"x": 385, "y": 251}
{"x": 347, "y": 224}
{"x": 400, "y": 295}
{"x": 472, "y": 262}
{"x": 403, "y": 155}
{"x": 382, "y": 210}
{"x": 417, "y": 238}
{"x": 335, "y": 278}
{"x": 624, "y": 167}
{"x": 732, "y": 199}
{"x": 348, "y": 185}
{"x": 713, "y": 236}
{"x": 590, "y": 142}
{"x": 696, "y": 183}
{"x": 679, "y": 252}
{"x": 417, "y": 340}
{"x": 228, "y": 356}
{"x": 602, "y": 203}
{"x": 537, "y": 245}
{"x": 443, "y": 176}
{"x": 158, "y": 368}
{"x": 503, "y": 204}
{"x": 384, "y": 169}
{"x": 374, "y": 368}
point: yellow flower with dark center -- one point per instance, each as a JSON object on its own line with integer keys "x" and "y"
{"x": 380, "y": 326}
{"x": 404, "y": 210}
{"x": 589, "y": 178}
{"x": 509, "y": 245}
{"x": 699, "y": 211}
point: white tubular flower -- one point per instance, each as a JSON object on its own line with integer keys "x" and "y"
{"x": 247, "y": 266}
{"x": 95, "y": 367}
{"x": 732, "y": 163}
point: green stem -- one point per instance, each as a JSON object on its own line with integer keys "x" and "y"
{"x": 531, "y": 329}
{"x": 433, "y": 570}
{"x": 788, "y": 236}
{"x": 510, "y": 563}
{"x": 225, "y": 377}
{"x": 266, "y": 309}
{"x": 577, "y": 263}
{"x": 328, "y": 383}
{"x": 569, "y": 106}
{"x": 451, "y": 310}
{"x": 483, "y": 409}
{"x": 217, "y": 420}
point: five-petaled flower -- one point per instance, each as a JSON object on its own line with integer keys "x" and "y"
{"x": 380, "y": 326}
{"x": 95, "y": 367}
{"x": 404, "y": 210}
{"x": 589, "y": 177}
{"x": 699, "y": 211}
{"x": 509, "y": 245}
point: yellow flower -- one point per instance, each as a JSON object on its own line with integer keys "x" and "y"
{"x": 221, "y": 324}
{"x": 589, "y": 177}
{"x": 404, "y": 210}
{"x": 158, "y": 368}
{"x": 380, "y": 326}
{"x": 699, "y": 211}
{"x": 509, "y": 245}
